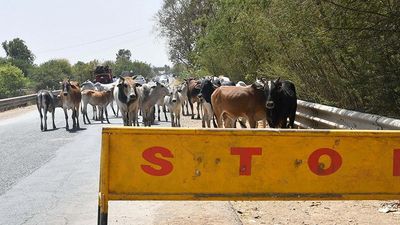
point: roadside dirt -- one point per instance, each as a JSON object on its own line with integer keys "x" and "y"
{"x": 304, "y": 212}
{"x": 15, "y": 112}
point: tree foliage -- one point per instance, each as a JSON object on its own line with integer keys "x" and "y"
{"x": 181, "y": 22}
{"x": 340, "y": 52}
{"x": 18, "y": 54}
{"x": 49, "y": 74}
{"x": 124, "y": 54}
{"x": 12, "y": 81}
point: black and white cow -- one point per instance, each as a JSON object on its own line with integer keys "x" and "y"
{"x": 46, "y": 101}
{"x": 206, "y": 89}
{"x": 281, "y": 103}
{"x": 127, "y": 98}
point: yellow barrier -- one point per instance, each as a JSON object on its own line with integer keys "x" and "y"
{"x": 221, "y": 164}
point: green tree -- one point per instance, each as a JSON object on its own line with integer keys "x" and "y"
{"x": 49, "y": 74}
{"x": 12, "y": 81}
{"x": 18, "y": 54}
{"x": 82, "y": 71}
{"x": 124, "y": 54}
{"x": 182, "y": 22}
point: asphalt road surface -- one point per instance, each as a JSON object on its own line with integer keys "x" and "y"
{"x": 52, "y": 178}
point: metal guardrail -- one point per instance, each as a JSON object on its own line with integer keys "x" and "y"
{"x": 313, "y": 115}
{"x": 20, "y": 101}
{"x": 309, "y": 115}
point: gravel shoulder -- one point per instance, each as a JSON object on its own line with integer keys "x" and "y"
{"x": 306, "y": 212}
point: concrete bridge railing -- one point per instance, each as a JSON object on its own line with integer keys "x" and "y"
{"x": 313, "y": 115}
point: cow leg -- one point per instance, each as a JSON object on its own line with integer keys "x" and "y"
{"x": 178, "y": 117}
{"x": 94, "y": 113}
{"x": 116, "y": 115}
{"x": 187, "y": 108}
{"x": 73, "y": 118}
{"x": 158, "y": 113}
{"x": 84, "y": 112}
{"x": 101, "y": 111}
{"x": 165, "y": 113}
{"x": 183, "y": 108}
{"x": 77, "y": 116}
{"x": 198, "y": 110}
{"x": 45, "y": 109}
{"x": 191, "y": 107}
{"x": 105, "y": 111}
{"x": 66, "y": 119}
{"x": 125, "y": 118}
{"x": 252, "y": 122}
{"x": 291, "y": 119}
{"x": 153, "y": 115}
{"x": 41, "y": 119}
{"x": 112, "y": 107}
{"x": 172, "y": 119}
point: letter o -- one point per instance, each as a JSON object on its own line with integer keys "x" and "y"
{"x": 314, "y": 165}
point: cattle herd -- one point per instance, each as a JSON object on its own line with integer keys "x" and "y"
{"x": 217, "y": 99}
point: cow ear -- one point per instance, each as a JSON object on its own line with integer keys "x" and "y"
{"x": 134, "y": 77}
{"x": 277, "y": 80}
{"x": 257, "y": 86}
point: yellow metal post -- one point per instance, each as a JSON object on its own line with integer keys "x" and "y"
{"x": 103, "y": 187}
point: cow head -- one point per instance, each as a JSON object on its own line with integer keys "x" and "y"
{"x": 160, "y": 89}
{"x": 206, "y": 89}
{"x": 65, "y": 87}
{"x": 175, "y": 95}
{"x": 127, "y": 91}
{"x": 271, "y": 91}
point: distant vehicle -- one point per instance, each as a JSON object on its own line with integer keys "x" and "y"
{"x": 103, "y": 74}
{"x": 140, "y": 79}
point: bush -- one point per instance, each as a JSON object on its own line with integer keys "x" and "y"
{"x": 12, "y": 81}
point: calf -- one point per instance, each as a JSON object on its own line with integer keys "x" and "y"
{"x": 149, "y": 96}
{"x": 89, "y": 85}
{"x": 71, "y": 99}
{"x": 281, "y": 103}
{"x": 206, "y": 90}
{"x": 184, "y": 98}
{"x": 106, "y": 87}
{"x": 46, "y": 101}
{"x": 96, "y": 98}
{"x": 127, "y": 98}
{"x": 173, "y": 103}
{"x": 231, "y": 102}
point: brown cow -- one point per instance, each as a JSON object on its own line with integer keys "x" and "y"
{"x": 96, "y": 98}
{"x": 71, "y": 99}
{"x": 231, "y": 102}
{"x": 193, "y": 89}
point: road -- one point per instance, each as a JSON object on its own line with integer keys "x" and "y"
{"x": 52, "y": 178}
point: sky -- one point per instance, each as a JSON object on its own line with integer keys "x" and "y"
{"x": 83, "y": 30}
